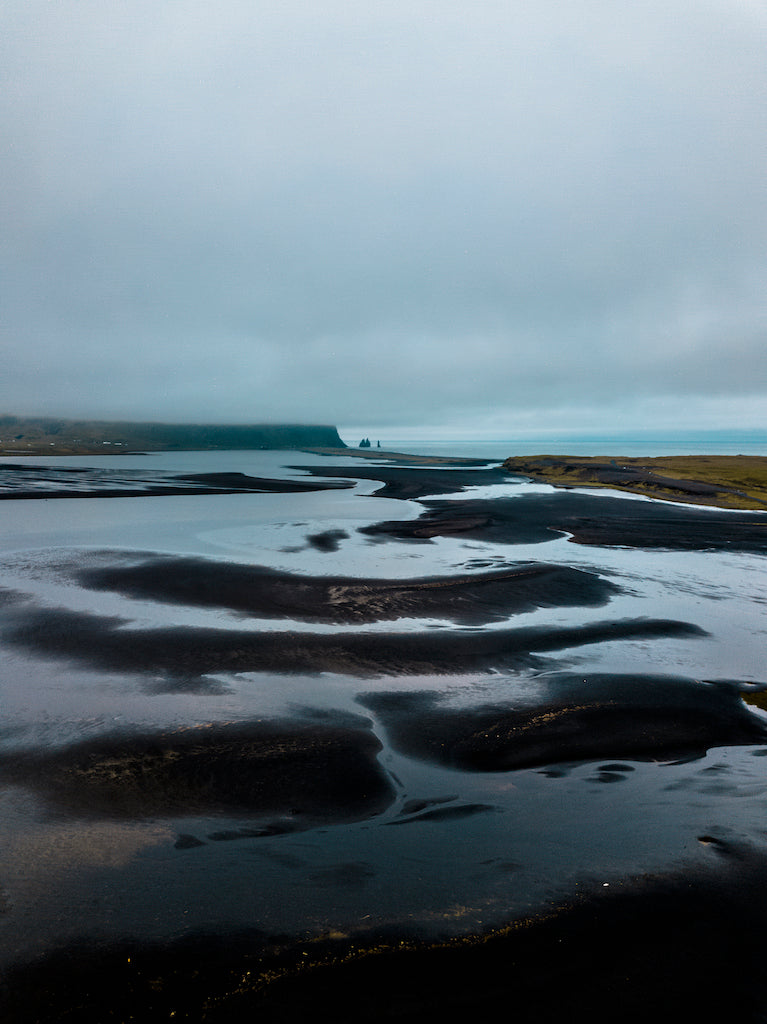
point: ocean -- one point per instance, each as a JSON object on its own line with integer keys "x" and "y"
{"x": 630, "y": 447}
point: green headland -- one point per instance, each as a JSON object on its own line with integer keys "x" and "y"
{"x": 22, "y": 436}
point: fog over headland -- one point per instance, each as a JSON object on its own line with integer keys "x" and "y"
{"x": 498, "y": 217}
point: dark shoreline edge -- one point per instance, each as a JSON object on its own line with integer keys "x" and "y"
{"x": 686, "y": 946}
{"x": 415, "y": 481}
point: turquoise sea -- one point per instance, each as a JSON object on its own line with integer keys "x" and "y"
{"x": 636, "y": 447}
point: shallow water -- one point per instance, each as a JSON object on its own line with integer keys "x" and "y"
{"x": 484, "y": 847}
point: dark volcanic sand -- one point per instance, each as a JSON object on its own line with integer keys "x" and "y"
{"x": 182, "y": 655}
{"x": 410, "y": 482}
{"x": 268, "y": 593}
{"x": 308, "y": 772}
{"x": 579, "y": 718}
{"x": 607, "y": 521}
{"x": 684, "y": 948}
{"x": 71, "y": 482}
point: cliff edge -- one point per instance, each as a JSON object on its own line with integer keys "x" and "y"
{"x": 22, "y": 436}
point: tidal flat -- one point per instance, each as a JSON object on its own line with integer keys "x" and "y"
{"x": 289, "y": 731}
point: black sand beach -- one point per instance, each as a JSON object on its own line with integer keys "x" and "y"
{"x": 446, "y": 702}
{"x": 684, "y": 946}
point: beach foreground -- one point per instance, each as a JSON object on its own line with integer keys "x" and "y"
{"x": 677, "y": 947}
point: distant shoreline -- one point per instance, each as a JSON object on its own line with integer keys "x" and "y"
{"x": 388, "y": 456}
{"x": 43, "y": 436}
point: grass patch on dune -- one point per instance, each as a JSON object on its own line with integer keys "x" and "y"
{"x": 727, "y": 481}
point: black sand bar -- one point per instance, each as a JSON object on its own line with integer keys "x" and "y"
{"x": 184, "y": 654}
{"x": 579, "y": 718}
{"x": 30, "y": 482}
{"x": 315, "y": 772}
{"x": 410, "y": 482}
{"x": 589, "y": 519}
{"x": 268, "y": 593}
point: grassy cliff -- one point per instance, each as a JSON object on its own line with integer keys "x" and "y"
{"x": 21, "y": 436}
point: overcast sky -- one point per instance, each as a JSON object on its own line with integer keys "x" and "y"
{"x": 500, "y": 218}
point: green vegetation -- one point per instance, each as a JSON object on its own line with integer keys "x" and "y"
{"x": 727, "y": 481}
{"x": 756, "y": 698}
{"x": 19, "y": 436}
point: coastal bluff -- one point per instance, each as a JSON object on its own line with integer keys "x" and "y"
{"x": 27, "y": 436}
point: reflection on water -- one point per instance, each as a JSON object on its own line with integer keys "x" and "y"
{"x": 473, "y": 847}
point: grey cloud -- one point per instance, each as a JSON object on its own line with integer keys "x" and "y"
{"x": 447, "y": 213}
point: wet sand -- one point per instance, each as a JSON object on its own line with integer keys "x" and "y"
{"x": 470, "y": 598}
{"x": 409, "y": 482}
{"x": 29, "y": 482}
{"x": 578, "y": 718}
{"x": 587, "y": 519}
{"x": 686, "y": 946}
{"x": 179, "y": 658}
{"x": 304, "y": 773}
